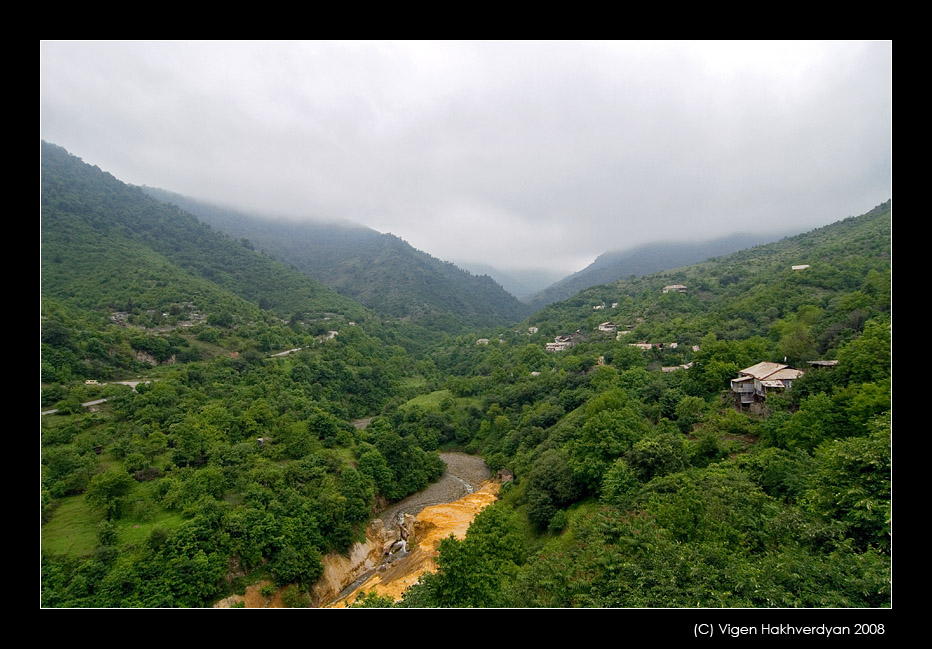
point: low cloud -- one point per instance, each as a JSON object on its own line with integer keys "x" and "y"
{"x": 511, "y": 154}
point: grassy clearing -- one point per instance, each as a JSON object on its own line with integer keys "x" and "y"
{"x": 72, "y": 529}
{"x": 130, "y": 531}
{"x": 430, "y": 401}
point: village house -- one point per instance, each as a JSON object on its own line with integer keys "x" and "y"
{"x": 559, "y": 344}
{"x": 532, "y": 330}
{"x": 754, "y": 383}
{"x": 679, "y": 288}
{"x": 800, "y": 267}
{"x": 609, "y": 327}
{"x": 482, "y": 341}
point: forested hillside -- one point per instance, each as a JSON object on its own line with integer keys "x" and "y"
{"x": 378, "y": 270}
{"x": 643, "y": 260}
{"x": 641, "y": 481}
{"x": 227, "y": 453}
{"x": 633, "y": 475}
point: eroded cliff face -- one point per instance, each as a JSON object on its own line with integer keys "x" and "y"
{"x": 432, "y": 525}
{"x": 341, "y": 570}
{"x": 399, "y": 546}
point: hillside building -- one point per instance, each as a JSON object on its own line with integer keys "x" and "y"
{"x": 559, "y": 344}
{"x": 755, "y": 383}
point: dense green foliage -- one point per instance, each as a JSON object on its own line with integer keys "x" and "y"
{"x": 227, "y": 459}
{"x": 634, "y": 487}
{"x": 651, "y": 489}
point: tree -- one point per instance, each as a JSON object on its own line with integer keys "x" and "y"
{"x": 796, "y": 340}
{"x": 852, "y": 485}
{"x": 620, "y": 484}
{"x": 867, "y": 357}
{"x": 656, "y": 456}
{"x": 551, "y": 485}
{"x": 688, "y": 412}
{"x": 107, "y": 489}
{"x": 473, "y": 572}
{"x": 605, "y": 436}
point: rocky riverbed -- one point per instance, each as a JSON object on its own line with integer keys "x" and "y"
{"x": 446, "y": 507}
{"x": 464, "y": 474}
{"x": 433, "y": 523}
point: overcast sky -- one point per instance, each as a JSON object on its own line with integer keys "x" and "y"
{"x": 515, "y": 154}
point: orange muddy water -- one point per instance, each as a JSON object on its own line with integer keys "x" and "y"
{"x": 434, "y": 523}
{"x": 444, "y": 508}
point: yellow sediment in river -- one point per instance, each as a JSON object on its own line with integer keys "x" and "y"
{"x": 434, "y": 524}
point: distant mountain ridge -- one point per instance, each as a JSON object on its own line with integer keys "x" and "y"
{"x": 644, "y": 260}
{"x": 839, "y": 272}
{"x": 521, "y": 283}
{"x": 381, "y": 271}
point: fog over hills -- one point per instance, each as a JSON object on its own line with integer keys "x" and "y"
{"x": 521, "y": 283}
{"x": 379, "y": 270}
{"x": 516, "y": 154}
{"x": 649, "y": 258}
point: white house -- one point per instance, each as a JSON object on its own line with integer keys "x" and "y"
{"x": 679, "y": 288}
{"x": 754, "y": 383}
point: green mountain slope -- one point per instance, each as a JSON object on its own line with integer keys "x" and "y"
{"x": 640, "y": 480}
{"x": 107, "y": 244}
{"x": 846, "y": 279}
{"x": 225, "y": 446}
{"x": 381, "y": 271}
{"x": 651, "y": 258}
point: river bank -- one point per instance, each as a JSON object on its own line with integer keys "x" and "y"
{"x": 433, "y": 524}
{"x": 446, "y": 507}
{"x": 443, "y": 508}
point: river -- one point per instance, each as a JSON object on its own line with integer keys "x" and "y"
{"x": 445, "y": 507}
{"x": 463, "y": 476}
